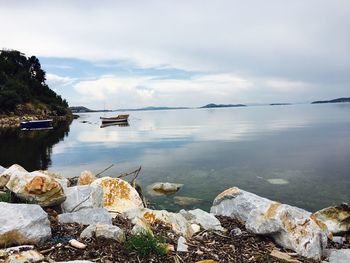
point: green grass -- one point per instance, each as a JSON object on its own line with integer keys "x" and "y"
{"x": 144, "y": 244}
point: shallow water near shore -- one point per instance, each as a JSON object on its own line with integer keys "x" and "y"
{"x": 295, "y": 154}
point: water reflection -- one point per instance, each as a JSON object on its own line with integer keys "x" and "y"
{"x": 31, "y": 149}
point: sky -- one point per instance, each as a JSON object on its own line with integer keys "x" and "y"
{"x": 137, "y": 53}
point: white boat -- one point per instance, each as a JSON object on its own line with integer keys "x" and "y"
{"x": 115, "y": 119}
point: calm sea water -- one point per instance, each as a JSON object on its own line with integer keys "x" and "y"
{"x": 295, "y": 154}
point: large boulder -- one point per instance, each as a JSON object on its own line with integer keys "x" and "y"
{"x": 289, "y": 226}
{"x": 118, "y": 195}
{"x": 144, "y": 217}
{"x": 35, "y": 187}
{"x": 202, "y": 218}
{"x": 337, "y": 218}
{"x": 23, "y": 224}
{"x": 88, "y": 216}
{"x": 80, "y": 197}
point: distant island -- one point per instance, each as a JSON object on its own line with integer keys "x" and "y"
{"x": 77, "y": 109}
{"x": 212, "y": 105}
{"x": 339, "y": 100}
{"x": 279, "y": 104}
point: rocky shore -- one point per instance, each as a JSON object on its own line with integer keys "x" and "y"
{"x": 14, "y": 121}
{"x": 105, "y": 220}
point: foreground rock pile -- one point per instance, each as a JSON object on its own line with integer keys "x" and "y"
{"x": 95, "y": 219}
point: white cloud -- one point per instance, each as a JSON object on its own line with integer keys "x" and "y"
{"x": 56, "y": 80}
{"x": 283, "y": 85}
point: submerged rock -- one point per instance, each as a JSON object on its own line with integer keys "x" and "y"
{"x": 88, "y": 216}
{"x": 82, "y": 196}
{"x": 206, "y": 220}
{"x": 185, "y": 200}
{"x": 118, "y": 195}
{"x": 289, "y": 226}
{"x": 337, "y": 218}
{"x": 35, "y": 187}
{"x": 86, "y": 178}
{"x": 23, "y": 224}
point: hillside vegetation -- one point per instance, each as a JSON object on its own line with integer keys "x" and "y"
{"x": 23, "y": 89}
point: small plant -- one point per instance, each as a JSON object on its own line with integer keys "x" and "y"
{"x": 6, "y": 197}
{"x": 144, "y": 243}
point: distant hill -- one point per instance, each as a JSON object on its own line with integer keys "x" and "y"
{"x": 332, "y": 101}
{"x": 23, "y": 89}
{"x": 212, "y": 105}
{"x": 76, "y": 109}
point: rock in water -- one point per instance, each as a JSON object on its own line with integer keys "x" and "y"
{"x": 35, "y": 187}
{"x": 86, "y": 178}
{"x": 289, "y": 226}
{"x": 118, "y": 195}
{"x": 337, "y": 218}
{"x": 88, "y": 216}
{"x": 23, "y": 224}
{"x": 166, "y": 187}
{"x": 82, "y": 196}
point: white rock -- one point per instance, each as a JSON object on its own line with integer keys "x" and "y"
{"x": 195, "y": 228}
{"x": 339, "y": 256}
{"x": 178, "y": 223}
{"x": 103, "y": 230}
{"x": 181, "y": 245}
{"x": 289, "y": 226}
{"x": 35, "y": 187}
{"x": 337, "y": 218}
{"x": 206, "y": 220}
{"x": 118, "y": 195}
{"x": 87, "y": 216}
{"x": 81, "y": 197}
{"x": 23, "y": 224}
{"x": 25, "y": 256}
{"x": 7, "y": 173}
{"x": 77, "y": 244}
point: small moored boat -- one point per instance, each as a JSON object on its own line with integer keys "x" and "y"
{"x": 115, "y": 119}
{"x": 37, "y": 124}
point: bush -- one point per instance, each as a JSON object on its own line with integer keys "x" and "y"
{"x": 144, "y": 244}
{"x": 6, "y": 197}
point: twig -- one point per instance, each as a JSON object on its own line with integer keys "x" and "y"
{"x": 87, "y": 198}
{"x": 217, "y": 233}
{"x": 180, "y": 258}
{"x": 47, "y": 250}
{"x": 104, "y": 170}
{"x": 133, "y": 172}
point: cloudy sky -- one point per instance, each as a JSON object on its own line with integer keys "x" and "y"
{"x": 131, "y": 53}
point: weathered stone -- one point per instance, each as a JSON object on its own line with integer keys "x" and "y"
{"x": 118, "y": 195}
{"x": 195, "y": 228}
{"x": 176, "y": 221}
{"x": 86, "y": 178}
{"x": 81, "y": 197}
{"x": 87, "y": 216}
{"x": 23, "y": 224}
{"x": 7, "y": 173}
{"x": 102, "y": 230}
{"x": 77, "y": 244}
{"x": 339, "y": 256}
{"x": 289, "y": 226}
{"x": 181, "y": 245}
{"x": 25, "y": 256}
{"x": 336, "y": 218}
{"x": 206, "y": 220}
{"x": 63, "y": 181}
{"x": 35, "y": 187}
